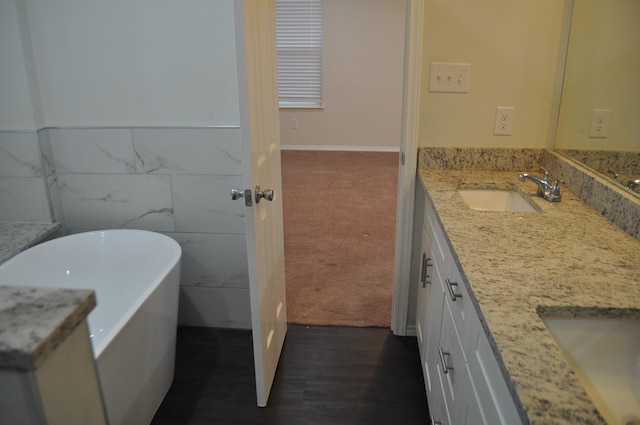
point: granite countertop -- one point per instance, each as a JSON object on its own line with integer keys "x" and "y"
{"x": 34, "y": 321}
{"x": 16, "y": 237}
{"x": 565, "y": 260}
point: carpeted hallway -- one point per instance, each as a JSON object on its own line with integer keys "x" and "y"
{"x": 339, "y": 236}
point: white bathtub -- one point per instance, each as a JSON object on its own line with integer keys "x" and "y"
{"x": 135, "y": 275}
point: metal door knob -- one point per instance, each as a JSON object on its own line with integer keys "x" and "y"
{"x": 266, "y": 194}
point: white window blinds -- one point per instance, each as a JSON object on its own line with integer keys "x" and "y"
{"x": 299, "y": 39}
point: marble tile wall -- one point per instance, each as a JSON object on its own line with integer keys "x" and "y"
{"x": 170, "y": 180}
{"x": 24, "y": 176}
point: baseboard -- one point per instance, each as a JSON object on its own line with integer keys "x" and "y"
{"x": 339, "y": 148}
{"x": 410, "y": 331}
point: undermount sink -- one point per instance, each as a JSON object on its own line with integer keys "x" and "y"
{"x": 495, "y": 200}
{"x": 605, "y": 354}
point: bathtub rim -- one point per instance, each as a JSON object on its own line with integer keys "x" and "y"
{"x": 160, "y": 275}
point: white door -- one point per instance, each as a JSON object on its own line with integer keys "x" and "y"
{"x": 257, "y": 72}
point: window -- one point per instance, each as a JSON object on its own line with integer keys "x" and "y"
{"x": 299, "y": 40}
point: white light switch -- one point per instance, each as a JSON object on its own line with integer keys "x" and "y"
{"x": 450, "y": 77}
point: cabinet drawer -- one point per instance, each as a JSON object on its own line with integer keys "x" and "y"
{"x": 462, "y": 309}
{"x": 439, "y": 247}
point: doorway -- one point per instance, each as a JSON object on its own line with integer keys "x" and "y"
{"x": 339, "y": 243}
{"x": 340, "y": 171}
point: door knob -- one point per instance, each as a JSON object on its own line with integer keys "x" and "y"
{"x": 266, "y": 194}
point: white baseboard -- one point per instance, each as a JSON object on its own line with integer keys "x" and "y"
{"x": 339, "y": 148}
{"x": 411, "y": 331}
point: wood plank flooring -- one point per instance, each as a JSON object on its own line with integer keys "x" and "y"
{"x": 326, "y": 375}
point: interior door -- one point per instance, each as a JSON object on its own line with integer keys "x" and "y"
{"x": 257, "y": 73}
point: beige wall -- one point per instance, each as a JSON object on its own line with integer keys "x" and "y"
{"x": 602, "y": 73}
{"x": 363, "y": 73}
{"x": 513, "y": 48}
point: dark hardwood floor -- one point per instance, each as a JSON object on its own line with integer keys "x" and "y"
{"x": 326, "y": 375}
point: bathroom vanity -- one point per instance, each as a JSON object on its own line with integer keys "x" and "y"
{"x": 487, "y": 280}
{"x": 44, "y": 336}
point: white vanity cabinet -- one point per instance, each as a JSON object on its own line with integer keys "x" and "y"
{"x": 463, "y": 381}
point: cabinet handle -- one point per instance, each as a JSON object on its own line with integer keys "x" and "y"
{"x": 434, "y": 422}
{"x": 452, "y": 293}
{"x": 426, "y": 262}
{"x": 445, "y": 367}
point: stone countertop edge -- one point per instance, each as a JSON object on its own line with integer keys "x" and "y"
{"x": 565, "y": 260}
{"x": 34, "y": 321}
{"x": 15, "y": 237}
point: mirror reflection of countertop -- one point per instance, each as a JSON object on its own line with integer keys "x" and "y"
{"x": 565, "y": 260}
{"x": 16, "y": 237}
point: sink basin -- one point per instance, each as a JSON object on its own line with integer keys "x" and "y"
{"x": 495, "y": 200}
{"x": 605, "y": 354}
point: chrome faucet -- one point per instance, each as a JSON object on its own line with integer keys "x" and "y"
{"x": 633, "y": 185}
{"x": 546, "y": 189}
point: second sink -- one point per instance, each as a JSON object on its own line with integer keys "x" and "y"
{"x": 495, "y": 200}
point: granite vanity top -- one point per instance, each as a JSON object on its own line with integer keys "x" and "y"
{"x": 34, "y": 321}
{"x": 565, "y": 260}
{"x": 16, "y": 237}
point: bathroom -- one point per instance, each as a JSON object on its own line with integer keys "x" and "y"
{"x": 166, "y": 184}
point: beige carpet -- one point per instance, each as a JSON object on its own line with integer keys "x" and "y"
{"x": 339, "y": 236}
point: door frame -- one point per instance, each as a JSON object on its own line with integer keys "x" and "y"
{"x": 408, "y": 168}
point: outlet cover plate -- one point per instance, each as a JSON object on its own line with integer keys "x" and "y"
{"x": 600, "y": 123}
{"x": 449, "y": 77}
{"x": 504, "y": 120}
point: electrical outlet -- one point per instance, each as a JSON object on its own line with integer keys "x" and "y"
{"x": 294, "y": 123}
{"x": 600, "y": 123}
{"x": 504, "y": 120}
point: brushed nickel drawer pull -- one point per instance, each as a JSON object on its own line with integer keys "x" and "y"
{"x": 445, "y": 367}
{"x": 452, "y": 293}
{"x": 426, "y": 262}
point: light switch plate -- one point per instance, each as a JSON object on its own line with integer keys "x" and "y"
{"x": 450, "y": 77}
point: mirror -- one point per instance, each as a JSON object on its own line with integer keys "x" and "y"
{"x": 599, "y": 117}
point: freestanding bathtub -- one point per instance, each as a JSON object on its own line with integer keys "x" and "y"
{"x": 135, "y": 274}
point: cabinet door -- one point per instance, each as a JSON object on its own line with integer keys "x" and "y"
{"x": 471, "y": 413}
{"x": 432, "y": 336}
{"x": 492, "y": 393}
{"x": 451, "y": 360}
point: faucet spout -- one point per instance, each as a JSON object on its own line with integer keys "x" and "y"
{"x": 548, "y": 190}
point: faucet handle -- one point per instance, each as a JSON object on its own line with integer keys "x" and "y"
{"x": 546, "y": 173}
{"x": 616, "y": 176}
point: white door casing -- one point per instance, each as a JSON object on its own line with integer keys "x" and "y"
{"x": 408, "y": 166}
{"x": 259, "y": 126}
